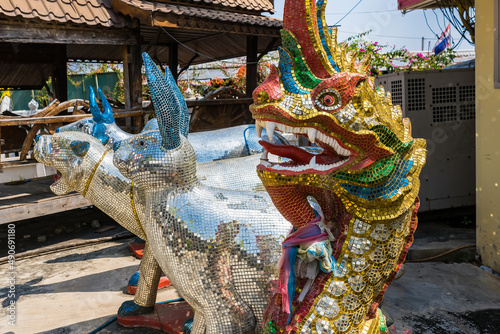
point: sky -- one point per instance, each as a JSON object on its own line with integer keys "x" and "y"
{"x": 388, "y": 25}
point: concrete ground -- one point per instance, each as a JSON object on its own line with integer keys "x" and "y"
{"x": 440, "y": 298}
{"x": 71, "y": 291}
{"x": 77, "y": 290}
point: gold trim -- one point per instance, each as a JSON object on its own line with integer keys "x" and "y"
{"x": 133, "y": 208}
{"x": 93, "y": 172}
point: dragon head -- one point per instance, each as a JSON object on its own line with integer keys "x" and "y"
{"x": 364, "y": 168}
{"x": 319, "y": 91}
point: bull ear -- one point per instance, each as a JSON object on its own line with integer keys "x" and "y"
{"x": 79, "y": 147}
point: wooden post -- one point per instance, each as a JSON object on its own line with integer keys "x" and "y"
{"x": 132, "y": 82}
{"x": 173, "y": 59}
{"x": 60, "y": 80}
{"x": 1, "y": 143}
{"x": 252, "y": 43}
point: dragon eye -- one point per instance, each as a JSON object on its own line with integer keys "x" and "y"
{"x": 328, "y": 100}
{"x": 142, "y": 143}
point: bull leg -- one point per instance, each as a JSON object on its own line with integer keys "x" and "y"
{"x": 199, "y": 324}
{"x": 147, "y": 287}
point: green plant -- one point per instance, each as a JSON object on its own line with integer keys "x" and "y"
{"x": 387, "y": 58}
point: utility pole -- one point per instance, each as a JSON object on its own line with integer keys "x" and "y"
{"x": 423, "y": 43}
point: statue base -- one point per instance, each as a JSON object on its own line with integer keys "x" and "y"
{"x": 134, "y": 279}
{"x": 168, "y": 318}
{"x": 137, "y": 247}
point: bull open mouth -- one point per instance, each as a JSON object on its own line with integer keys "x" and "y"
{"x": 328, "y": 156}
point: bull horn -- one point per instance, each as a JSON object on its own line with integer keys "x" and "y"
{"x": 184, "y": 113}
{"x": 97, "y": 114}
{"x": 107, "y": 115}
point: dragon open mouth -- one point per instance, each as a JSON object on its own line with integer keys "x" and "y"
{"x": 331, "y": 155}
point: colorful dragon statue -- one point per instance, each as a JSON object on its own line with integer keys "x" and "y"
{"x": 363, "y": 175}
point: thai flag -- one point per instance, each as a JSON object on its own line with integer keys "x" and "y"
{"x": 444, "y": 41}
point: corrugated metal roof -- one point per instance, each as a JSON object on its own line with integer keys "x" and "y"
{"x": 91, "y": 12}
{"x": 200, "y": 12}
{"x": 407, "y": 5}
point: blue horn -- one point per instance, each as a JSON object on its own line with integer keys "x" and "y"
{"x": 99, "y": 129}
{"x": 98, "y": 115}
{"x": 107, "y": 115}
{"x": 166, "y": 103}
{"x": 183, "y": 109}
{"x": 94, "y": 108}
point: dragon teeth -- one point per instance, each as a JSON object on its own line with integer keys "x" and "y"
{"x": 258, "y": 128}
{"x": 312, "y": 163}
{"x": 264, "y": 156}
{"x": 311, "y": 133}
{"x": 270, "y": 126}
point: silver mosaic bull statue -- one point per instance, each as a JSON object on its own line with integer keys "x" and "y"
{"x": 218, "y": 247}
{"x": 86, "y": 166}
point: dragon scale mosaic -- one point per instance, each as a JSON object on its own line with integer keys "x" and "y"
{"x": 363, "y": 177}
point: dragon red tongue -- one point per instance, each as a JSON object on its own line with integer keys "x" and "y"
{"x": 57, "y": 177}
{"x": 288, "y": 151}
{"x": 300, "y": 156}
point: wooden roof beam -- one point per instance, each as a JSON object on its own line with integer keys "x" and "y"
{"x": 64, "y": 35}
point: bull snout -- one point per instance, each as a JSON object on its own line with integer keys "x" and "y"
{"x": 43, "y": 146}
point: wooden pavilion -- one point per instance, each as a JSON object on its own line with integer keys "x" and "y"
{"x": 38, "y": 37}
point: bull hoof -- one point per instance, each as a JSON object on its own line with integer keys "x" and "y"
{"x": 129, "y": 308}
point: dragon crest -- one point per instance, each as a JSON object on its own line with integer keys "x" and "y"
{"x": 363, "y": 172}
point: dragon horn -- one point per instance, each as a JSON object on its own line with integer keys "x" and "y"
{"x": 184, "y": 113}
{"x": 107, "y": 115}
{"x": 305, "y": 19}
{"x": 94, "y": 108}
{"x": 165, "y": 101}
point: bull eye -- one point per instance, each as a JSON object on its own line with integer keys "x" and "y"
{"x": 328, "y": 100}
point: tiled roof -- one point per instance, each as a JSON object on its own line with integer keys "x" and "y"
{"x": 204, "y": 13}
{"x": 258, "y": 5}
{"x": 91, "y": 12}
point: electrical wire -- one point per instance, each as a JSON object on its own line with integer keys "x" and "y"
{"x": 388, "y": 36}
{"x": 427, "y": 22}
{"x": 349, "y": 12}
{"x": 448, "y": 10}
{"x": 204, "y": 55}
{"x": 373, "y": 12}
{"x": 441, "y": 254}
{"x": 437, "y": 20}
